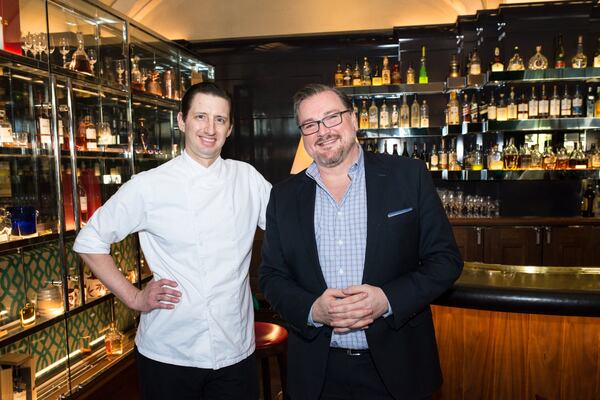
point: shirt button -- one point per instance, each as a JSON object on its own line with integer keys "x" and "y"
{"x": 340, "y": 242}
{"x": 341, "y": 271}
{"x": 339, "y": 213}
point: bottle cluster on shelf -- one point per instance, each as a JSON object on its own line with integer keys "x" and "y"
{"x": 369, "y": 74}
{"x": 393, "y": 116}
{"x": 527, "y": 157}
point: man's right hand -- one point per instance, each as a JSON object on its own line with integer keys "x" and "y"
{"x": 355, "y": 310}
{"x": 157, "y": 294}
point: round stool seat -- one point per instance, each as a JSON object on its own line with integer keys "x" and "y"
{"x": 269, "y": 335}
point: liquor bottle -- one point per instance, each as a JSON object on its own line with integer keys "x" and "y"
{"x": 454, "y": 67}
{"x": 594, "y": 157}
{"x": 597, "y": 103}
{"x": 501, "y": 109}
{"x": 87, "y": 133}
{"x": 548, "y": 158}
{"x": 434, "y": 159}
{"x": 483, "y": 110}
{"x": 396, "y": 78}
{"x": 425, "y": 155}
{"x": 511, "y": 109}
{"x": 44, "y": 135}
{"x": 443, "y": 156}
{"x": 384, "y": 116}
{"x": 475, "y": 63}
{"x": 497, "y": 65}
{"x": 105, "y": 137}
{"x": 516, "y": 62}
{"x": 27, "y": 315}
{"x": 83, "y": 199}
{"x": 466, "y": 110}
{"x": 366, "y": 73}
{"x": 386, "y": 74}
{"x": 364, "y": 116}
{"x": 555, "y": 104}
{"x": 423, "y": 78}
{"x": 404, "y": 113}
{"x": 533, "y": 105}
{"x": 143, "y": 139}
{"x": 356, "y": 75}
{"x": 338, "y": 77}
{"x": 538, "y": 60}
{"x": 597, "y": 57}
{"x": 356, "y": 113}
{"x": 474, "y": 109}
{"x": 376, "y": 80}
{"x": 587, "y": 202}
{"x": 415, "y": 114}
{"x": 453, "y": 164}
{"x": 137, "y": 82}
{"x": 79, "y": 60}
{"x": 494, "y": 159}
{"x": 424, "y": 113}
{"x": 536, "y": 158}
{"x": 544, "y": 104}
{"x": 565, "y": 104}
{"x": 395, "y": 116}
{"x": 410, "y": 75}
{"x": 6, "y": 133}
{"x": 492, "y": 110}
{"x": 524, "y": 157}
{"x": 384, "y": 150}
{"x": 523, "y": 108}
{"x": 348, "y": 75}
{"x": 562, "y": 158}
{"x": 373, "y": 115}
{"x": 511, "y": 155}
{"x": 405, "y": 149}
{"x": 559, "y": 54}
{"x": 453, "y": 110}
{"x": 589, "y": 102}
{"x": 415, "y": 153}
{"x": 113, "y": 341}
{"x": 577, "y": 160}
{"x": 579, "y": 60}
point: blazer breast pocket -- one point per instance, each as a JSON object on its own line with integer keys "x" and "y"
{"x": 399, "y": 215}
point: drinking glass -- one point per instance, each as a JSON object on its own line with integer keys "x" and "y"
{"x": 64, "y": 50}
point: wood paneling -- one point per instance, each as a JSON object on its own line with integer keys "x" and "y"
{"x": 507, "y": 356}
{"x": 569, "y": 246}
{"x": 471, "y": 249}
{"x": 513, "y": 246}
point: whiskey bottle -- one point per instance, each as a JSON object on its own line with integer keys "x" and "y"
{"x": 555, "y": 104}
{"x": 511, "y": 109}
{"x": 356, "y": 113}
{"x": 562, "y": 158}
{"x": 415, "y": 153}
{"x": 474, "y": 109}
{"x": 577, "y": 104}
{"x": 113, "y": 341}
{"x": 384, "y": 116}
{"x": 364, "y": 116}
{"x": 511, "y": 155}
{"x": 395, "y": 116}
{"x": 516, "y": 62}
{"x": 544, "y": 104}
{"x": 559, "y": 54}
{"x": 579, "y": 60}
{"x": 384, "y": 150}
{"x": 83, "y": 199}
{"x": 410, "y": 75}
{"x": 366, "y": 73}
{"x": 466, "y": 110}
{"x": 338, "y": 77}
{"x": 443, "y": 156}
{"x": 86, "y": 135}
{"x": 376, "y": 80}
{"x": 396, "y": 78}
{"x": 565, "y": 104}
{"x": 589, "y": 102}
{"x": 492, "y": 110}
{"x": 405, "y": 149}
{"x": 404, "y": 113}
{"x": 454, "y": 73}
{"x": 373, "y": 115}
{"x": 524, "y": 157}
{"x": 386, "y": 75}
{"x": 533, "y": 105}
{"x": 577, "y": 159}
{"x": 594, "y": 158}
{"x": 348, "y": 75}
{"x": 424, "y": 113}
{"x": 483, "y": 111}
{"x": 497, "y": 65}
{"x": 494, "y": 159}
{"x": 356, "y": 75}
{"x": 475, "y": 63}
{"x": 425, "y": 155}
{"x": 453, "y": 110}
{"x": 415, "y": 111}
{"x": 501, "y": 109}
{"x": 538, "y": 60}
{"x": 597, "y": 58}
{"x": 523, "y": 108}
{"x": 536, "y": 158}
{"x": 434, "y": 159}
{"x": 44, "y": 135}
{"x": 453, "y": 164}
{"x": 597, "y": 103}
{"x": 477, "y": 159}
{"x": 548, "y": 158}
{"x": 423, "y": 78}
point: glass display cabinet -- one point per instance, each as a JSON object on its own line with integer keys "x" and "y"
{"x": 87, "y": 99}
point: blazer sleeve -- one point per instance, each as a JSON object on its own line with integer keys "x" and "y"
{"x": 439, "y": 263}
{"x": 277, "y": 283}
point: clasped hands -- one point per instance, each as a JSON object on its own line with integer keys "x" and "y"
{"x": 355, "y": 307}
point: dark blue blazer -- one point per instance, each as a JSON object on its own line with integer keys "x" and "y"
{"x": 411, "y": 254}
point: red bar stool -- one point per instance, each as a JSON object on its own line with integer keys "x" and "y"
{"x": 271, "y": 341}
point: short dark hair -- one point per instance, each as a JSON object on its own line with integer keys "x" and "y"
{"x": 313, "y": 89}
{"x": 205, "y": 88}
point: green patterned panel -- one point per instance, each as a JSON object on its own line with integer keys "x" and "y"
{"x": 91, "y": 322}
{"x": 70, "y": 255}
{"x": 41, "y": 265}
{"x": 49, "y": 345}
{"x": 12, "y": 284}
{"x": 125, "y": 316}
{"x": 125, "y": 253}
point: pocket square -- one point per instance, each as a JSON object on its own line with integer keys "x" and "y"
{"x": 399, "y": 212}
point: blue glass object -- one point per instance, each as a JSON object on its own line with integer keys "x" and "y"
{"x": 23, "y": 220}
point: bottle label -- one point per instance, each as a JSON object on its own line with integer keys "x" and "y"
{"x": 475, "y": 69}
{"x": 533, "y": 108}
{"x": 44, "y": 127}
{"x": 597, "y": 61}
{"x": 543, "y": 107}
{"x": 61, "y": 132}
{"x": 6, "y": 134}
{"x": 554, "y": 108}
{"x": 491, "y": 112}
{"x": 90, "y": 133}
{"x": 83, "y": 203}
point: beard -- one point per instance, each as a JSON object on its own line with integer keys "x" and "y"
{"x": 334, "y": 157}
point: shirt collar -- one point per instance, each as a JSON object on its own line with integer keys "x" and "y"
{"x": 313, "y": 170}
{"x": 200, "y": 170}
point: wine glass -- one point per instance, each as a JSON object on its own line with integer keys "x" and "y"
{"x": 92, "y": 58}
{"x": 52, "y": 46}
{"x": 120, "y": 68}
{"x": 64, "y": 50}
{"x": 26, "y": 43}
{"x": 42, "y": 43}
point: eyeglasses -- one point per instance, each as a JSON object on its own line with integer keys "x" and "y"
{"x": 312, "y": 127}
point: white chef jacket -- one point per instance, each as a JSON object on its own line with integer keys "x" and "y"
{"x": 196, "y": 226}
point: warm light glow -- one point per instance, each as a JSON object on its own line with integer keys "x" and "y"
{"x": 301, "y": 160}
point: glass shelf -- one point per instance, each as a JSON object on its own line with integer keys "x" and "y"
{"x": 394, "y": 90}
{"x": 514, "y": 175}
{"x": 563, "y": 74}
{"x": 556, "y": 124}
{"x": 383, "y": 133}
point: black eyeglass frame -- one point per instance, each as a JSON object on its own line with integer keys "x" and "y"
{"x": 336, "y": 115}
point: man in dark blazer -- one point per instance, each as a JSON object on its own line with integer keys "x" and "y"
{"x": 356, "y": 248}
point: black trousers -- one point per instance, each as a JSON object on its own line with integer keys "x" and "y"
{"x": 353, "y": 377}
{"x": 160, "y": 381}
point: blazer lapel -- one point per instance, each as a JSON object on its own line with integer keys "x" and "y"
{"x": 306, "y": 214}
{"x": 377, "y": 186}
